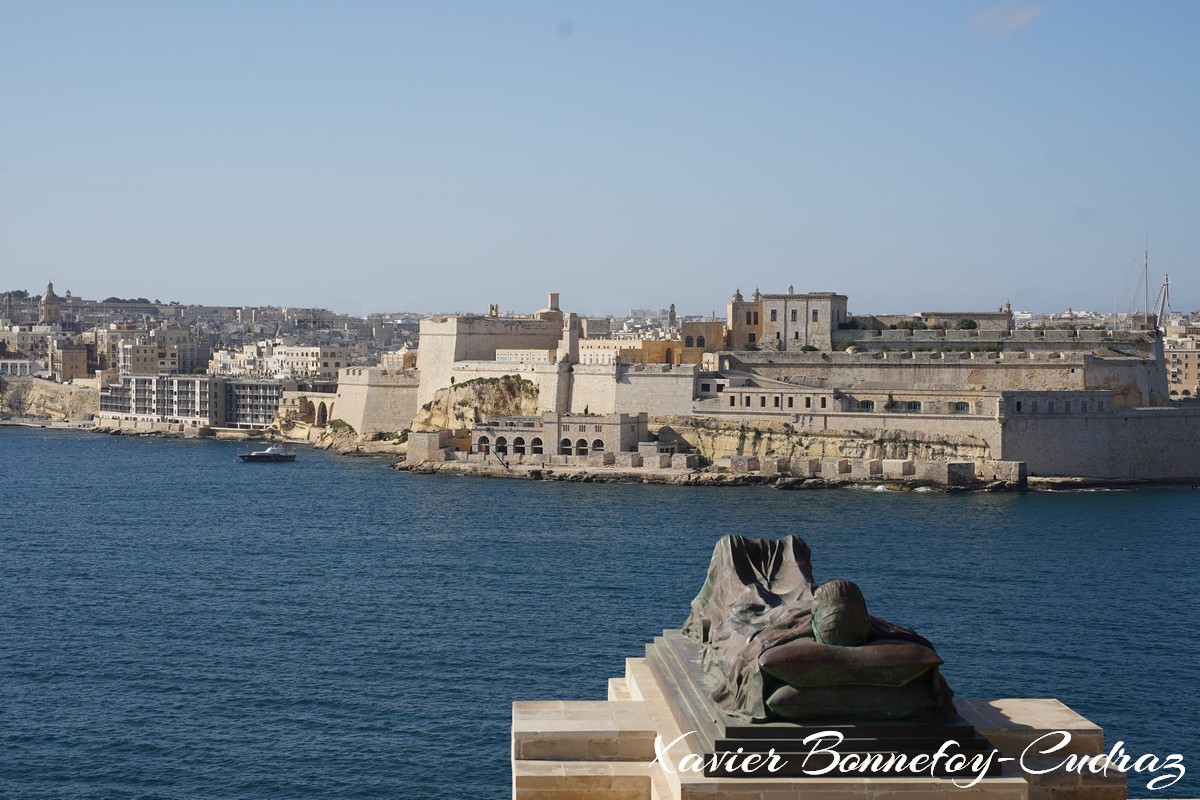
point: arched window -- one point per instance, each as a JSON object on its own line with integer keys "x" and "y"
{"x": 699, "y": 341}
{"x": 519, "y": 446}
{"x": 564, "y": 447}
{"x": 501, "y": 445}
{"x": 689, "y": 341}
{"x": 670, "y": 356}
{"x": 485, "y": 444}
{"x": 598, "y": 446}
{"x": 581, "y": 447}
{"x": 535, "y": 446}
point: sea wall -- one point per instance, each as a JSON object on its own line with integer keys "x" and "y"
{"x": 1142, "y": 444}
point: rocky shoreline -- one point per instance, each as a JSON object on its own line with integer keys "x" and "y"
{"x": 705, "y": 476}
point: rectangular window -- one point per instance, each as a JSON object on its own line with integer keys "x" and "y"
{"x": 1018, "y": 406}
{"x": 1050, "y": 406}
{"x": 777, "y": 402}
{"x": 762, "y": 401}
{"x": 755, "y": 317}
{"x": 752, "y": 338}
{"x": 704, "y": 387}
{"x": 1099, "y": 405}
{"x": 814, "y": 315}
{"x": 749, "y": 318}
{"x": 732, "y": 400}
{"x": 1083, "y": 406}
{"x": 823, "y": 402}
{"x": 793, "y": 315}
{"x": 746, "y": 400}
{"x": 790, "y": 401}
{"x": 774, "y": 317}
{"x": 808, "y": 402}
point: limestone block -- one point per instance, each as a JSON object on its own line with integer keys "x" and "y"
{"x": 897, "y": 468}
{"x": 933, "y": 471}
{"x": 657, "y": 461}
{"x": 1011, "y": 471}
{"x": 805, "y": 467}
{"x": 866, "y": 468}
{"x": 835, "y": 469}
{"x": 960, "y": 473}
{"x": 582, "y": 731}
{"x": 685, "y": 461}
{"x": 744, "y": 463}
{"x": 774, "y": 466}
{"x": 629, "y": 460}
{"x": 647, "y": 449}
{"x": 601, "y": 459}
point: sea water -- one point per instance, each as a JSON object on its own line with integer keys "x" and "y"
{"x": 177, "y": 624}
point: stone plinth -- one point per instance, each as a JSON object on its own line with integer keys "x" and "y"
{"x": 605, "y": 750}
{"x": 898, "y": 468}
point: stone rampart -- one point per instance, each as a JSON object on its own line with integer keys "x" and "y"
{"x": 374, "y": 400}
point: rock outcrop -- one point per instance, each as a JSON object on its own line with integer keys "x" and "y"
{"x": 42, "y": 399}
{"x": 716, "y": 439}
{"x": 462, "y": 405}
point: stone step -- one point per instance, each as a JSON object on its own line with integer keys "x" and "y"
{"x": 564, "y": 730}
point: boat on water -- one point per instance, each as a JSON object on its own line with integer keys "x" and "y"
{"x": 272, "y": 453}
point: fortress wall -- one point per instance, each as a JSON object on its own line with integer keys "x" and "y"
{"x": 1150, "y": 444}
{"x": 1134, "y": 382}
{"x": 373, "y": 400}
{"x": 840, "y": 435}
{"x": 594, "y": 389}
{"x": 445, "y": 340}
{"x": 1133, "y": 342}
{"x": 657, "y": 390}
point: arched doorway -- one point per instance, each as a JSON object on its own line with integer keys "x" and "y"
{"x": 485, "y": 445}
{"x": 564, "y": 447}
{"x": 322, "y": 415}
{"x": 535, "y": 446}
{"x": 598, "y": 446}
{"x": 519, "y": 446}
{"x": 501, "y": 445}
{"x": 581, "y": 447}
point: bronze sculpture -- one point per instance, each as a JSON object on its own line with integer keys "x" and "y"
{"x": 781, "y": 647}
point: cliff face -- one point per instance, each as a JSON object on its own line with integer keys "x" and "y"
{"x": 720, "y": 439}
{"x": 462, "y": 405}
{"x": 33, "y": 397}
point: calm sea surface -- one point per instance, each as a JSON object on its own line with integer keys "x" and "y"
{"x": 177, "y": 624}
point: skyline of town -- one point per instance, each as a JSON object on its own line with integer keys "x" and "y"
{"x": 1133, "y": 306}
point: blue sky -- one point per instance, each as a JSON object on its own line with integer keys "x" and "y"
{"x": 371, "y": 156}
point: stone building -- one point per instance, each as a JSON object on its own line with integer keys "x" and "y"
{"x": 786, "y": 321}
{"x": 50, "y": 307}
{"x": 551, "y": 434}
